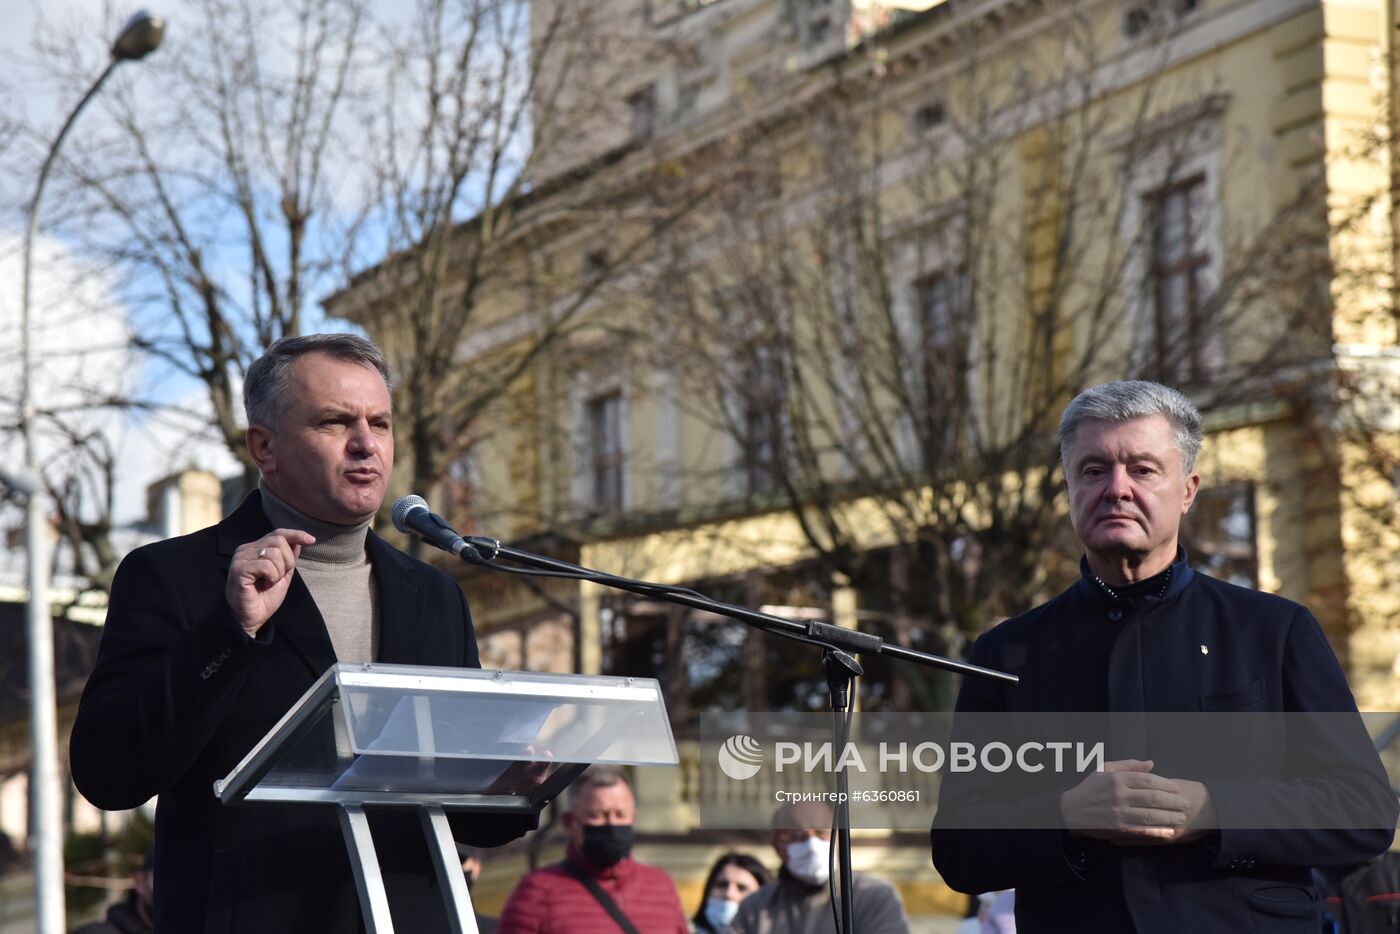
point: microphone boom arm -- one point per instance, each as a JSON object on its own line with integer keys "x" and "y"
{"x": 485, "y": 552}
{"x": 837, "y": 643}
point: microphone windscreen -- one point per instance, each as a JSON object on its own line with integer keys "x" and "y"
{"x": 403, "y": 507}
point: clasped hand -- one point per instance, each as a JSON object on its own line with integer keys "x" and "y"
{"x": 1127, "y": 803}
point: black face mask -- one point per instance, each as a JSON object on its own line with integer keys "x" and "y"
{"x": 606, "y": 844}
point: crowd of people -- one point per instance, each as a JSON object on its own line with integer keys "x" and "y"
{"x": 599, "y": 887}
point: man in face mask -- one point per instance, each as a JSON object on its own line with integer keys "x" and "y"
{"x": 799, "y": 902}
{"x": 598, "y": 885}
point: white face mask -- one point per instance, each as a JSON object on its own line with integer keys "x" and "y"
{"x": 809, "y": 860}
{"x": 720, "y": 912}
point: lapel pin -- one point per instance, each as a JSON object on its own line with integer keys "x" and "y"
{"x": 1205, "y": 650}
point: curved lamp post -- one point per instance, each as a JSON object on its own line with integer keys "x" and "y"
{"x": 139, "y": 37}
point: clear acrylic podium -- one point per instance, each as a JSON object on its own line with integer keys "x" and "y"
{"x": 440, "y": 739}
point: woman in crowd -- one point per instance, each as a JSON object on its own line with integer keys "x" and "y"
{"x": 733, "y": 877}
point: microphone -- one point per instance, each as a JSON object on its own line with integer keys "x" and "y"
{"x": 412, "y": 517}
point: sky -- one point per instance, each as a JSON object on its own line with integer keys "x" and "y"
{"x": 149, "y": 448}
{"x": 19, "y": 18}
{"x": 69, "y": 372}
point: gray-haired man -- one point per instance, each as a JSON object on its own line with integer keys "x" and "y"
{"x": 1142, "y": 851}
{"x": 211, "y": 637}
{"x": 799, "y": 900}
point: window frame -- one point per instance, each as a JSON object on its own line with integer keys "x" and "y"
{"x": 1196, "y": 260}
{"x": 607, "y": 461}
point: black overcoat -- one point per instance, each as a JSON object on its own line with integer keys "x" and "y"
{"x": 179, "y": 695}
{"x": 1201, "y": 645}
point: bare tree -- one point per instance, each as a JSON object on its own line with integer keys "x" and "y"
{"x": 79, "y": 385}
{"x": 212, "y": 199}
{"x": 473, "y": 189}
{"x": 293, "y": 146}
{"x": 886, "y": 324}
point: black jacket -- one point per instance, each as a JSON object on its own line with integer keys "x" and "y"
{"x": 125, "y": 917}
{"x": 178, "y": 696}
{"x": 1200, "y": 645}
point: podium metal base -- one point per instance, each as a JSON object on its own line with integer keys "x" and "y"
{"x": 369, "y": 879}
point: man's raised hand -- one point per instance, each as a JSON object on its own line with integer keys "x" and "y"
{"x": 260, "y": 574}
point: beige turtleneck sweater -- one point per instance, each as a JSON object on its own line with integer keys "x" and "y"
{"x": 337, "y": 572}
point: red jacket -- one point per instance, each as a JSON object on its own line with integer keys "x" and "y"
{"x": 550, "y": 901}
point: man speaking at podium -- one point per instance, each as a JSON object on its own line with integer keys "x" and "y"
{"x": 211, "y": 637}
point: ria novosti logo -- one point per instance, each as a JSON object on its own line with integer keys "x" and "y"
{"x": 740, "y": 757}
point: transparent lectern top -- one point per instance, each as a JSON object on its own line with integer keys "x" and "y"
{"x": 401, "y": 734}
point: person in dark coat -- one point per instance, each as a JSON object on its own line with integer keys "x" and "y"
{"x": 211, "y": 637}
{"x": 134, "y": 914}
{"x": 1138, "y": 850}
{"x": 471, "y": 869}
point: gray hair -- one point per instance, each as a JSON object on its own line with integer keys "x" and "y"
{"x": 597, "y": 776}
{"x": 267, "y": 385}
{"x": 1131, "y": 399}
{"x": 802, "y": 815}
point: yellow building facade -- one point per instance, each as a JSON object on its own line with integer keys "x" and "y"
{"x": 1013, "y": 199}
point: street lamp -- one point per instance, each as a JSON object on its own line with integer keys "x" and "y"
{"x": 139, "y": 37}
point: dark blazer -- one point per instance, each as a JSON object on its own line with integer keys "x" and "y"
{"x": 180, "y": 693}
{"x": 1090, "y": 650}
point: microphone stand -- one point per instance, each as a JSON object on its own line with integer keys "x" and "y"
{"x": 836, "y": 642}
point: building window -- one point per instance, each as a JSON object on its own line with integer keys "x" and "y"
{"x": 943, "y": 302}
{"x": 1149, "y": 16}
{"x": 1136, "y": 21}
{"x": 1179, "y": 278}
{"x": 463, "y": 487}
{"x": 1219, "y": 533}
{"x": 812, "y": 21}
{"x": 642, "y": 106}
{"x": 595, "y": 266}
{"x": 605, "y": 454}
{"x": 929, "y": 116}
{"x": 764, "y": 421}
{"x": 944, "y": 306}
